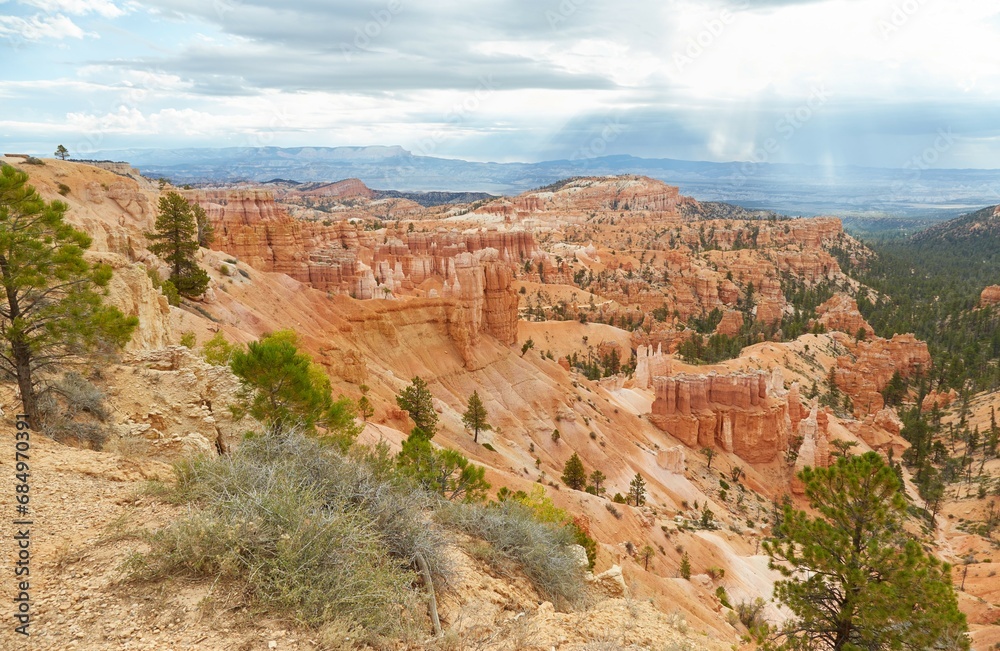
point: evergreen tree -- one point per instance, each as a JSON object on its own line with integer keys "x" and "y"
{"x": 856, "y": 580}
{"x": 62, "y": 153}
{"x": 685, "y": 569}
{"x": 176, "y": 242}
{"x": 475, "y": 416}
{"x": 597, "y": 479}
{"x": 709, "y": 455}
{"x": 637, "y": 490}
{"x": 446, "y": 472}
{"x": 574, "y": 474}
{"x": 365, "y": 408}
{"x": 282, "y": 388}
{"x": 417, "y": 401}
{"x": 50, "y": 314}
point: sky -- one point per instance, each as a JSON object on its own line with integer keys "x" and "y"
{"x": 885, "y": 83}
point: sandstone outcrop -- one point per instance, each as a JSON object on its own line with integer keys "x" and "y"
{"x": 990, "y": 296}
{"x": 881, "y": 431}
{"x": 649, "y": 364}
{"x": 338, "y": 257}
{"x": 939, "y": 400}
{"x": 176, "y": 422}
{"x": 733, "y": 412}
{"x": 869, "y": 367}
{"x": 619, "y": 193}
{"x": 672, "y": 459}
{"x": 841, "y": 313}
{"x": 815, "y": 449}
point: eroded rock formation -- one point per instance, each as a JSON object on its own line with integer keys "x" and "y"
{"x": 869, "y": 367}
{"x": 841, "y": 313}
{"x": 735, "y": 412}
{"x": 990, "y": 296}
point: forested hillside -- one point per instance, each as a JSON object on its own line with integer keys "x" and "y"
{"x": 930, "y": 284}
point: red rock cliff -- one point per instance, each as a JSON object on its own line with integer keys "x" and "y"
{"x": 736, "y": 413}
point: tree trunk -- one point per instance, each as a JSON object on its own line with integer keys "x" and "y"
{"x": 425, "y": 575}
{"x": 22, "y": 362}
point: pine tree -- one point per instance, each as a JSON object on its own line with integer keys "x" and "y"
{"x": 62, "y": 153}
{"x": 282, "y": 387}
{"x": 175, "y": 241}
{"x": 365, "y": 408}
{"x": 475, "y": 416}
{"x": 50, "y": 314}
{"x": 637, "y": 490}
{"x": 709, "y": 455}
{"x": 597, "y": 479}
{"x": 685, "y": 569}
{"x": 418, "y": 402}
{"x": 856, "y": 580}
{"x": 574, "y": 474}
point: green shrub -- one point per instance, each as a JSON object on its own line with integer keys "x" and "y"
{"x": 751, "y": 613}
{"x": 64, "y": 189}
{"x": 173, "y": 296}
{"x": 489, "y": 447}
{"x": 188, "y": 339}
{"x": 217, "y": 351}
{"x": 720, "y": 593}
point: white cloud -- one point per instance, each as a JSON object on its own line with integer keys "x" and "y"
{"x": 104, "y": 8}
{"x": 40, "y": 27}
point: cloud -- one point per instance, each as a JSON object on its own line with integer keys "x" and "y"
{"x": 104, "y": 8}
{"x": 703, "y": 79}
{"x": 37, "y": 28}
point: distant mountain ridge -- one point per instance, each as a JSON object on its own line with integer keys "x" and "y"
{"x": 976, "y": 225}
{"x": 793, "y": 189}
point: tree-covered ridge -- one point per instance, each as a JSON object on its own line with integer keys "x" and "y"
{"x": 930, "y": 284}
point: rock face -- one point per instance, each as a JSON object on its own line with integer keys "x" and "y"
{"x": 194, "y": 419}
{"x": 869, "y": 367}
{"x": 672, "y": 459}
{"x": 474, "y": 268}
{"x": 338, "y": 257}
{"x": 484, "y": 301}
{"x": 881, "y": 431}
{"x": 940, "y": 400}
{"x": 132, "y": 292}
{"x": 815, "y": 449}
{"x": 990, "y": 296}
{"x": 649, "y": 365}
{"x": 736, "y": 413}
{"x": 841, "y": 313}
